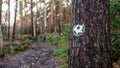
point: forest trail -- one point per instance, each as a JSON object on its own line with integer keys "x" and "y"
{"x": 40, "y": 55}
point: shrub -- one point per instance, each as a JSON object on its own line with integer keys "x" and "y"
{"x": 63, "y": 52}
{"x": 25, "y": 37}
{"x": 66, "y": 29}
{"x": 52, "y": 38}
{"x": 115, "y": 45}
{"x": 115, "y": 31}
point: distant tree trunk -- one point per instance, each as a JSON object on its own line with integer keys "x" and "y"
{"x": 60, "y": 15}
{"x": 0, "y": 11}
{"x": 21, "y": 8}
{"x": 14, "y": 26}
{"x": 21, "y": 15}
{"x": 67, "y": 9}
{"x": 56, "y": 15}
{"x": 70, "y": 13}
{"x": 93, "y": 48}
{"x": 52, "y": 15}
{"x": 37, "y": 14}
{"x": 22, "y": 30}
{"x": 8, "y": 19}
{"x": 40, "y": 19}
{"x": 32, "y": 25}
{"x": 45, "y": 16}
{"x": 1, "y": 36}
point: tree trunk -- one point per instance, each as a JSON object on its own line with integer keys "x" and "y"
{"x": 0, "y": 11}
{"x": 22, "y": 30}
{"x": 93, "y": 48}
{"x": 32, "y": 28}
{"x": 52, "y": 15}
{"x": 1, "y": 36}
{"x": 37, "y": 13}
{"x": 56, "y": 16}
{"x": 14, "y": 26}
{"x": 60, "y": 15}
{"x": 8, "y": 19}
{"x": 45, "y": 16}
{"x": 40, "y": 18}
{"x": 67, "y": 9}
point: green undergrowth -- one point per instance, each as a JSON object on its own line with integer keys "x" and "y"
{"x": 115, "y": 29}
{"x": 61, "y": 42}
{"x": 20, "y": 44}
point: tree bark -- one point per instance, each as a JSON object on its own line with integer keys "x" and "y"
{"x": 32, "y": 28}
{"x": 56, "y": 16}
{"x": 45, "y": 17}
{"x": 0, "y": 11}
{"x": 14, "y": 26}
{"x": 8, "y": 19}
{"x": 67, "y": 9}
{"x": 1, "y": 36}
{"x": 52, "y": 15}
{"x": 93, "y": 48}
{"x": 37, "y": 15}
{"x": 60, "y": 15}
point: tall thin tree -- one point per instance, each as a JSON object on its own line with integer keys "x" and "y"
{"x": 8, "y": 19}
{"x": 45, "y": 17}
{"x": 93, "y": 48}
{"x": 14, "y": 26}
{"x": 52, "y": 15}
{"x": 67, "y": 9}
{"x": 37, "y": 14}
{"x": 32, "y": 25}
{"x": 1, "y": 36}
{"x": 60, "y": 15}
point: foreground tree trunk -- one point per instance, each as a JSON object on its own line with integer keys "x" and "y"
{"x": 93, "y": 48}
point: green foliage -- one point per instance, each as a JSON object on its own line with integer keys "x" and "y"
{"x": 25, "y": 37}
{"x": 116, "y": 38}
{"x": 115, "y": 45}
{"x": 17, "y": 46}
{"x": 66, "y": 29}
{"x": 2, "y": 54}
{"x": 23, "y": 42}
{"x": 4, "y": 30}
{"x": 63, "y": 52}
{"x": 11, "y": 49}
{"x": 62, "y": 43}
{"x": 115, "y": 24}
{"x": 20, "y": 44}
{"x": 52, "y": 38}
{"x": 115, "y": 13}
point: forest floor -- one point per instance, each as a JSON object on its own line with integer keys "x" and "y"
{"x": 39, "y": 55}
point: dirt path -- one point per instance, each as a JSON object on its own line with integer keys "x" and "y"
{"x": 38, "y": 56}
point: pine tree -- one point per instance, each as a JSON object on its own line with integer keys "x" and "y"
{"x": 93, "y": 48}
